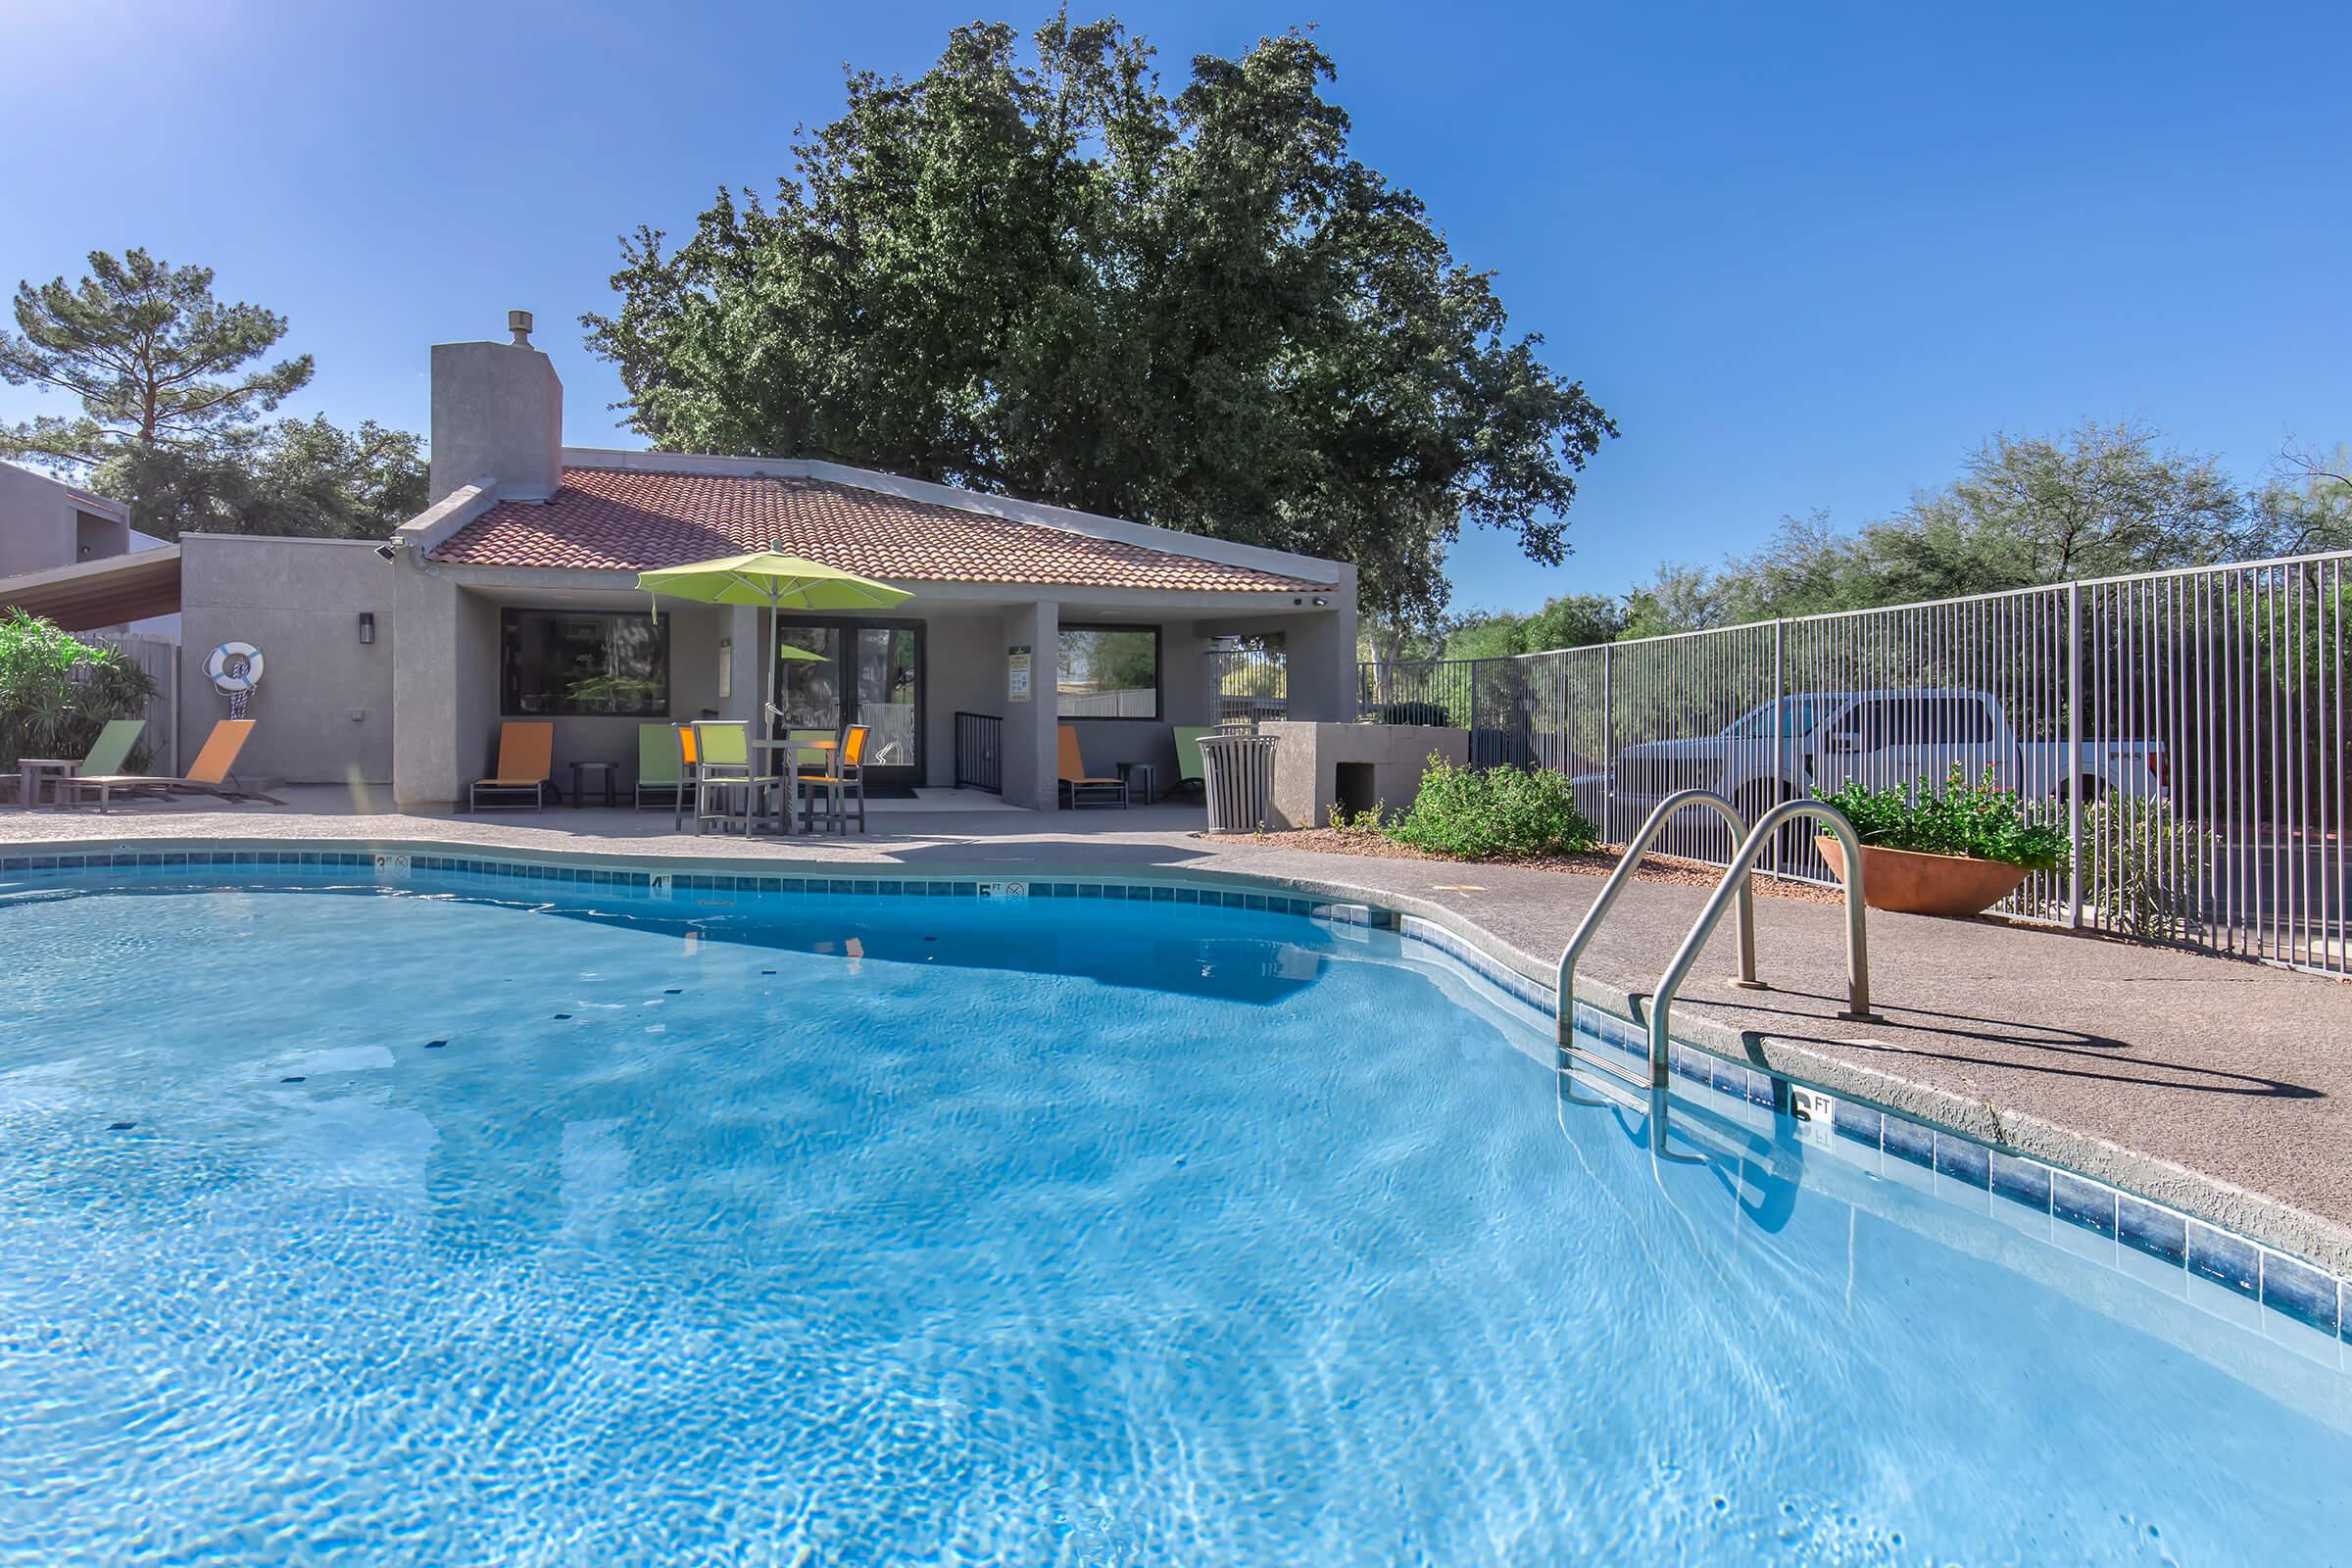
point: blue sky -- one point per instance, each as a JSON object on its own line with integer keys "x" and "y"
{"x": 1807, "y": 256}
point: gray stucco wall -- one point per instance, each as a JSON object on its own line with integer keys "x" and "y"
{"x": 1105, "y": 742}
{"x": 497, "y": 414}
{"x": 965, "y": 666}
{"x": 323, "y": 708}
{"x": 464, "y": 685}
{"x": 1308, "y": 756}
{"x": 42, "y": 528}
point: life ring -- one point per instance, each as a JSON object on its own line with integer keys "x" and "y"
{"x": 234, "y": 668}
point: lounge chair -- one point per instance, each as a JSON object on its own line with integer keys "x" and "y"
{"x": 724, "y": 765}
{"x": 663, "y": 766}
{"x": 107, "y": 754}
{"x": 843, "y": 771}
{"x": 1077, "y": 789}
{"x": 1189, "y": 769}
{"x": 527, "y": 752}
{"x": 210, "y": 774}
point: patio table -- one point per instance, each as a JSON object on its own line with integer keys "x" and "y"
{"x": 788, "y": 767}
{"x": 579, "y": 791}
{"x": 30, "y": 791}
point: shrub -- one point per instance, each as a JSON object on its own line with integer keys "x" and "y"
{"x": 57, "y": 692}
{"x": 1413, "y": 713}
{"x": 1983, "y": 820}
{"x": 2143, "y": 864}
{"x": 1467, "y": 815}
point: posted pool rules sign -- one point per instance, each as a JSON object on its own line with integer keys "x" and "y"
{"x": 1016, "y": 673}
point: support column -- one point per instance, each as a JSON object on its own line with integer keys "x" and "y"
{"x": 1321, "y": 652}
{"x": 425, "y": 706}
{"x": 1031, "y": 727}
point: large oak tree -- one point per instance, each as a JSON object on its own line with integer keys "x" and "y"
{"x": 1033, "y": 272}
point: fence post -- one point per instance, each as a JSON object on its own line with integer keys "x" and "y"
{"x": 1608, "y": 742}
{"x": 2074, "y": 756}
{"x": 1779, "y": 729}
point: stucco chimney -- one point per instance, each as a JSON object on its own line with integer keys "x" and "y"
{"x": 497, "y": 414}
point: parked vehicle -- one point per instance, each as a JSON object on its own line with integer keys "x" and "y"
{"x": 1875, "y": 738}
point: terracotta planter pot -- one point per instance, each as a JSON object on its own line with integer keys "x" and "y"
{"x": 1910, "y": 883}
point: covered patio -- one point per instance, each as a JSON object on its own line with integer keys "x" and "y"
{"x": 1016, "y": 626}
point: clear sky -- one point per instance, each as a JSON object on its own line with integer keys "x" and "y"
{"x": 1808, "y": 256}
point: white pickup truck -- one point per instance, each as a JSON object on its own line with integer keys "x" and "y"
{"x": 1879, "y": 738}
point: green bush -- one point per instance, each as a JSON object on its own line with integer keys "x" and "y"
{"x": 2142, "y": 866}
{"x": 1412, "y": 714}
{"x": 57, "y": 692}
{"x": 1983, "y": 820}
{"x": 1466, "y": 814}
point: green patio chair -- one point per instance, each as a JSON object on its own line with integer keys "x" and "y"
{"x": 661, "y": 770}
{"x": 107, "y": 754}
{"x": 1188, "y": 767}
{"x": 724, "y": 765}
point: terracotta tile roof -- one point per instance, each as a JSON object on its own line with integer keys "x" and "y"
{"x": 627, "y": 520}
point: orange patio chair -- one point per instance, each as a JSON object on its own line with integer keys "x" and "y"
{"x": 843, "y": 774}
{"x": 1077, "y": 789}
{"x": 527, "y": 760}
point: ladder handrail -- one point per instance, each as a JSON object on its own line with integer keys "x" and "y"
{"x": 1564, "y": 985}
{"x": 1734, "y": 880}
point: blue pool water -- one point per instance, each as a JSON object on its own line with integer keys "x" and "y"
{"x": 339, "y": 1225}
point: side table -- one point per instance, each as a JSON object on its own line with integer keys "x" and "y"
{"x": 579, "y": 793}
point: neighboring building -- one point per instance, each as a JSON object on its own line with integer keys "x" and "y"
{"x": 513, "y": 596}
{"x": 47, "y": 525}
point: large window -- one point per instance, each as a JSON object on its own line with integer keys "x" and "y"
{"x": 554, "y": 662}
{"x": 1108, "y": 672}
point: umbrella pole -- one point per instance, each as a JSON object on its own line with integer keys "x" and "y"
{"x": 765, "y": 721}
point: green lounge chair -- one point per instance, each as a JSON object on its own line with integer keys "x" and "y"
{"x": 107, "y": 754}
{"x": 111, "y": 749}
{"x": 661, "y": 767}
{"x": 1188, "y": 767}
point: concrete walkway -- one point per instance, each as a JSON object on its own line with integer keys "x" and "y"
{"x": 2221, "y": 1086}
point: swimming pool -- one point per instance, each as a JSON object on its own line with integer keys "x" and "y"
{"x": 474, "y": 1221}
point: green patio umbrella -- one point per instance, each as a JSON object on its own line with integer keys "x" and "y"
{"x": 776, "y": 582}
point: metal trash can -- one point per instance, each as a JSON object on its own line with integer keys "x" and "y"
{"x": 1237, "y": 773}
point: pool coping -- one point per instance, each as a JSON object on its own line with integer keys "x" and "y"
{"x": 2281, "y": 1228}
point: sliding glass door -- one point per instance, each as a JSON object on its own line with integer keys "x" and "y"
{"x": 866, "y": 673}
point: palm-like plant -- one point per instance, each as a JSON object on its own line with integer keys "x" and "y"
{"x": 57, "y": 692}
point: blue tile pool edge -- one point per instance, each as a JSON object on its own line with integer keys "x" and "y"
{"x": 2243, "y": 1268}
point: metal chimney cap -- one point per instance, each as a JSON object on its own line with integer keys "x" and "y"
{"x": 519, "y": 322}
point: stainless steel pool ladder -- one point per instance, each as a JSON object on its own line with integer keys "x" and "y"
{"x": 1731, "y": 890}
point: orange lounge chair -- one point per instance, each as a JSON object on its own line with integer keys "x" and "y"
{"x": 211, "y": 773}
{"x": 1076, "y": 788}
{"x": 527, "y": 758}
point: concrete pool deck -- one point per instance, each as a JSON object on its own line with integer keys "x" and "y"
{"x": 2220, "y": 1087}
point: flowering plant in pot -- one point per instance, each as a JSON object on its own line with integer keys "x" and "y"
{"x": 1958, "y": 849}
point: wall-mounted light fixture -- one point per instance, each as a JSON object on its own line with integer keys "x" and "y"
{"x": 366, "y": 626}
{"x": 727, "y": 668}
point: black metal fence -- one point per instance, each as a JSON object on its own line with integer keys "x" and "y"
{"x": 980, "y": 752}
{"x": 1248, "y": 681}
